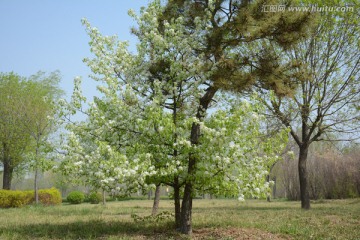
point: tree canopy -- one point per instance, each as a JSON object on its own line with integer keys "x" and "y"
{"x": 26, "y": 113}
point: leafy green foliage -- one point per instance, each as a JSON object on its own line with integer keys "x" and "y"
{"x": 75, "y": 197}
{"x": 27, "y": 110}
{"x": 94, "y": 198}
{"x": 235, "y": 35}
{"x": 42, "y": 121}
{"x": 14, "y": 137}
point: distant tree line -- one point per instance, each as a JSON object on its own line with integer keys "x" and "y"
{"x": 334, "y": 172}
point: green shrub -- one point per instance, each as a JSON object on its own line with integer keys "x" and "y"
{"x": 75, "y": 197}
{"x": 10, "y": 198}
{"x": 94, "y": 198}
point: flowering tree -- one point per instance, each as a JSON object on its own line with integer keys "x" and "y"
{"x": 152, "y": 125}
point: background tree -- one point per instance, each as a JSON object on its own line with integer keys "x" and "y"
{"x": 40, "y": 120}
{"x": 14, "y": 138}
{"x": 327, "y": 68}
{"x": 26, "y": 120}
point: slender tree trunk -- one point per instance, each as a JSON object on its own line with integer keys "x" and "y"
{"x": 7, "y": 174}
{"x": 177, "y": 203}
{"x": 274, "y": 188}
{"x": 268, "y": 197}
{"x": 304, "y": 191}
{"x": 36, "y": 186}
{"x": 156, "y": 200}
{"x": 176, "y": 185}
{"x": 104, "y": 197}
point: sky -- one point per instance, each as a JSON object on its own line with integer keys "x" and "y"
{"x": 47, "y": 35}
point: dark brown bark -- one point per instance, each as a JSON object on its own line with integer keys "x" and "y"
{"x": 177, "y": 203}
{"x": 156, "y": 200}
{"x": 186, "y": 207}
{"x": 303, "y": 179}
{"x": 7, "y": 174}
{"x": 176, "y": 185}
{"x": 186, "y": 210}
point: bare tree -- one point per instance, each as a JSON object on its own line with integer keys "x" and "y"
{"x": 323, "y": 107}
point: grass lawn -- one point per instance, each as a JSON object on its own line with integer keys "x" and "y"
{"x": 212, "y": 219}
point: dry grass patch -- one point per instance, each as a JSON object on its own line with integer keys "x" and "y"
{"x": 236, "y": 234}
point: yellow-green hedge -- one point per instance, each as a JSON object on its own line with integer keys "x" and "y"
{"x": 10, "y": 198}
{"x": 50, "y": 196}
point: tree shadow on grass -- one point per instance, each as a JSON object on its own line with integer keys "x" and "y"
{"x": 92, "y": 229}
{"x": 245, "y": 208}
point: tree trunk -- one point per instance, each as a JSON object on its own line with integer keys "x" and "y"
{"x": 186, "y": 207}
{"x": 149, "y": 194}
{"x": 176, "y": 185}
{"x": 7, "y": 174}
{"x": 177, "y": 203}
{"x": 186, "y": 210}
{"x": 36, "y": 186}
{"x": 268, "y": 197}
{"x": 36, "y": 178}
{"x": 274, "y": 188}
{"x": 304, "y": 191}
{"x": 156, "y": 200}
{"x": 104, "y": 197}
